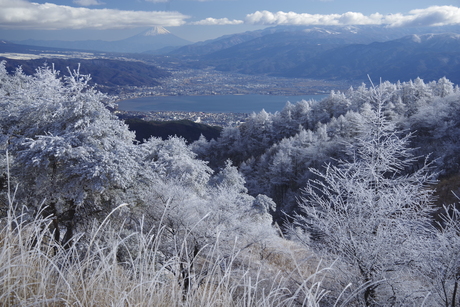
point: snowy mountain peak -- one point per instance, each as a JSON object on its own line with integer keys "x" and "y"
{"x": 320, "y": 30}
{"x": 156, "y": 31}
{"x": 433, "y": 38}
{"x": 415, "y": 38}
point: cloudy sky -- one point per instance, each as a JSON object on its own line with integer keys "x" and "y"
{"x": 198, "y": 20}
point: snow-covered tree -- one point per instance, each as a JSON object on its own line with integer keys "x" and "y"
{"x": 173, "y": 160}
{"x": 439, "y": 258}
{"x": 443, "y": 87}
{"x": 67, "y": 148}
{"x": 365, "y": 210}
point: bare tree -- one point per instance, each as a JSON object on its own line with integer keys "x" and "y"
{"x": 440, "y": 258}
{"x": 365, "y": 210}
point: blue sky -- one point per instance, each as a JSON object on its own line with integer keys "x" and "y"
{"x": 198, "y": 20}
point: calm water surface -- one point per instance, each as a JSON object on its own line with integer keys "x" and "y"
{"x": 213, "y": 104}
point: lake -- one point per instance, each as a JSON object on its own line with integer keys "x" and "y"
{"x": 213, "y": 104}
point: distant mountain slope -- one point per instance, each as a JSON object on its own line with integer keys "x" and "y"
{"x": 346, "y": 53}
{"x": 10, "y": 47}
{"x": 428, "y": 56}
{"x": 329, "y": 52}
{"x": 346, "y": 34}
{"x": 223, "y": 42}
{"x": 152, "y": 39}
{"x": 109, "y": 73}
{"x": 273, "y": 52}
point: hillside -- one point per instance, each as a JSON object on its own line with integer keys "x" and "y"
{"x": 338, "y": 53}
{"x": 105, "y": 72}
{"x": 339, "y": 34}
{"x": 10, "y": 47}
{"x": 324, "y": 203}
{"x": 428, "y": 56}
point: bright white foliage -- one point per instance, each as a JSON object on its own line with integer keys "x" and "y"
{"x": 67, "y": 146}
{"x": 366, "y": 212}
{"x": 71, "y": 154}
{"x": 369, "y": 208}
{"x": 173, "y": 160}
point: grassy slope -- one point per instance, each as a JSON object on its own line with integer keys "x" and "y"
{"x": 35, "y": 271}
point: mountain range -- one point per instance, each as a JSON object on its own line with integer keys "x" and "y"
{"x": 150, "y": 40}
{"x": 317, "y": 52}
{"x": 306, "y": 35}
{"x": 428, "y": 56}
{"x": 336, "y": 53}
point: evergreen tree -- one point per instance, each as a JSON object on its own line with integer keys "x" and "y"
{"x": 67, "y": 148}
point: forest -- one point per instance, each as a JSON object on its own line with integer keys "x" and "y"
{"x": 347, "y": 201}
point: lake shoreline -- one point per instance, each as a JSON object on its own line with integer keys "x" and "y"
{"x": 213, "y": 103}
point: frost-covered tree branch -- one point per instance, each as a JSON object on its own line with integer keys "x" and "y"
{"x": 366, "y": 212}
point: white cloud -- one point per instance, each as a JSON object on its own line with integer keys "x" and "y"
{"x": 432, "y": 16}
{"x": 291, "y": 18}
{"x": 219, "y": 22}
{"x": 87, "y": 2}
{"x": 21, "y": 14}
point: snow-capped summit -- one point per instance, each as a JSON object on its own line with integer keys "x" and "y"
{"x": 155, "y": 31}
{"x": 152, "y": 39}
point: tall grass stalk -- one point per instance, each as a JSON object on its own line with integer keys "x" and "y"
{"x": 37, "y": 271}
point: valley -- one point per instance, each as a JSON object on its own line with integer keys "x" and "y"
{"x": 288, "y": 166}
{"x": 282, "y": 60}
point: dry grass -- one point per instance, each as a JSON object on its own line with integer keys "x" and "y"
{"x": 36, "y": 271}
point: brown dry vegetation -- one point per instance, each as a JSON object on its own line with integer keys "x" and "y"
{"x": 35, "y": 271}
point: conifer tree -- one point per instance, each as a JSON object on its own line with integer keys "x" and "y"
{"x": 67, "y": 148}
